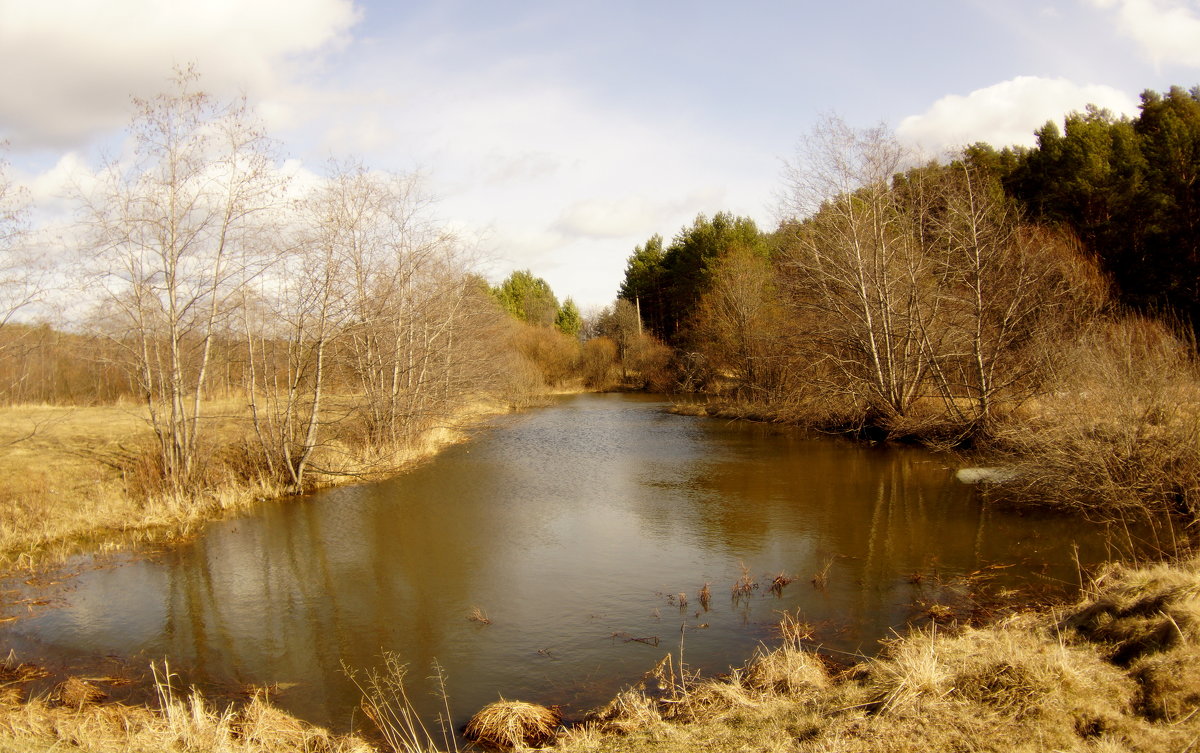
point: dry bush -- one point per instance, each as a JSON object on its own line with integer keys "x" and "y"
{"x": 513, "y": 724}
{"x": 1118, "y": 431}
{"x": 649, "y": 362}
{"x": 554, "y": 353}
{"x": 598, "y": 363}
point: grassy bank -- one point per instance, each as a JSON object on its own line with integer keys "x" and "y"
{"x": 81, "y": 478}
{"x": 77, "y": 716}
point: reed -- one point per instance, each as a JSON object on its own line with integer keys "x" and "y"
{"x": 745, "y": 584}
{"x": 779, "y": 582}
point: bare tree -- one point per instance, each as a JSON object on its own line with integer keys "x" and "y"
{"x": 178, "y": 231}
{"x": 856, "y": 268}
{"x": 1005, "y": 288}
{"x": 20, "y": 276}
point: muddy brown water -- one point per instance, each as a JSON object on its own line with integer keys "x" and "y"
{"x": 574, "y": 528}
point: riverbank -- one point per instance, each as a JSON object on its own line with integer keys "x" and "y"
{"x": 75, "y": 479}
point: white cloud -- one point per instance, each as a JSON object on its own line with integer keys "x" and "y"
{"x": 1005, "y": 114}
{"x": 625, "y": 217}
{"x": 68, "y": 68}
{"x": 1167, "y": 30}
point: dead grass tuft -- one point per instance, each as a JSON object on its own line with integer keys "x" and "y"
{"x": 77, "y": 693}
{"x": 787, "y": 670}
{"x": 513, "y": 724}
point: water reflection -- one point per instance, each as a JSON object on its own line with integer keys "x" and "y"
{"x": 569, "y": 527}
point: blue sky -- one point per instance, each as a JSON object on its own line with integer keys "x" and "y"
{"x": 558, "y": 135}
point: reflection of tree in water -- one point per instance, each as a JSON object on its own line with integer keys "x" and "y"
{"x": 305, "y": 588}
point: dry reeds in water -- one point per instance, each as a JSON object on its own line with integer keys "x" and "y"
{"x": 821, "y": 579}
{"x": 705, "y": 597}
{"x": 480, "y": 616}
{"x": 795, "y": 631}
{"x": 513, "y": 724}
{"x": 779, "y": 582}
{"x": 745, "y": 584}
{"x": 386, "y": 703}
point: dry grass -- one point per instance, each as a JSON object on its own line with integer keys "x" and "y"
{"x": 513, "y": 724}
{"x": 181, "y": 724}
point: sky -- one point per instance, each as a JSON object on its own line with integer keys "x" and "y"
{"x": 557, "y": 135}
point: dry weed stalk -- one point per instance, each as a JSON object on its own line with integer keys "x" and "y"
{"x": 480, "y": 616}
{"x": 821, "y": 580}
{"x": 705, "y": 597}
{"x": 386, "y": 703}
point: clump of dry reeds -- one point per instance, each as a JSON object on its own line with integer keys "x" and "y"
{"x": 386, "y": 703}
{"x": 745, "y": 584}
{"x": 513, "y": 724}
{"x": 794, "y": 630}
{"x": 779, "y": 582}
{"x": 77, "y": 692}
{"x": 705, "y": 597}
{"x": 480, "y": 616}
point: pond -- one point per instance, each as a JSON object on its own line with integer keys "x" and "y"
{"x": 573, "y": 528}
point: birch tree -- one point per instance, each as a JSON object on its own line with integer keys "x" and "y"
{"x": 856, "y": 268}
{"x": 178, "y": 230}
